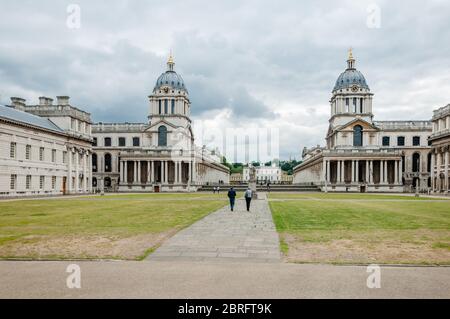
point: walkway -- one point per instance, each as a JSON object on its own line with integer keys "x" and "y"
{"x": 226, "y": 236}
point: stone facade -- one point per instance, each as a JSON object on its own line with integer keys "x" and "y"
{"x": 363, "y": 155}
{"x": 440, "y": 143}
{"x": 159, "y": 155}
{"x": 264, "y": 174}
{"x": 45, "y": 149}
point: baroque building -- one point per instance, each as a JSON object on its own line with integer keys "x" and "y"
{"x": 440, "y": 143}
{"x": 45, "y": 149}
{"x": 159, "y": 155}
{"x": 364, "y": 155}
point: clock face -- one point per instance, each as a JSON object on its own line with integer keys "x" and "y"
{"x": 354, "y": 88}
{"x": 166, "y": 90}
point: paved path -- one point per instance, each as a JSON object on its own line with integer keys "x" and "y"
{"x": 160, "y": 279}
{"x": 226, "y": 236}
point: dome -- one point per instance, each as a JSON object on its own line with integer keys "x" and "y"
{"x": 350, "y": 77}
{"x": 170, "y": 78}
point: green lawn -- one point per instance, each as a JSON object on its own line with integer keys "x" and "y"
{"x": 347, "y": 196}
{"x": 369, "y": 228}
{"x": 118, "y": 226}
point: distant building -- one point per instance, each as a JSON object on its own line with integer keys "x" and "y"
{"x": 45, "y": 149}
{"x": 236, "y": 178}
{"x": 363, "y": 155}
{"x": 440, "y": 144}
{"x": 264, "y": 174}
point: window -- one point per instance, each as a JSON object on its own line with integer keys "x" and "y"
{"x": 354, "y": 105}
{"x": 416, "y": 162}
{"x": 162, "y": 136}
{"x": 361, "y": 105}
{"x": 401, "y": 141}
{"x": 94, "y": 163}
{"x": 386, "y": 140}
{"x": 53, "y": 182}
{"x": 41, "y": 182}
{"x": 53, "y": 156}
{"x": 64, "y": 157}
{"x": 173, "y": 107}
{"x": 136, "y": 141}
{"x": 72, "y": 124}
{"x": 108, "y": 161}
{"x": 28, "y": 152}
{"x": 347, "y": 102}
{"x": 12, "y": 150}
{"x": 121, "y": 141}
{"x": 160, "y": 110}
{"x": 13, "y": 181}
{"x": 165, "y": 107}
{"x": 107, "y": 141}
{"x": 95, "y": 141}
{"x": 416, "y": 140}
{"x": 28, "y": 182}
{"x": 357, "y": 135}
{"x": 41, "y": 153}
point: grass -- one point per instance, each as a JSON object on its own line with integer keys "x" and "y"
{"x": 98, "y": 227}
{"x": 347, "y": 196}
{"x": 377, "y": 230}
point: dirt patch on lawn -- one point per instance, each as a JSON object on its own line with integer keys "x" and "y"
{"x": 357, "y": 250}
{"x": 83, "y": 246}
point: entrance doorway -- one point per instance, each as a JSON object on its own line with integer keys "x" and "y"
{"x": 64, "y": 185}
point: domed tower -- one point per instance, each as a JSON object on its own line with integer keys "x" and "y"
{"x": 169, "y": 100}
{"x": 351, "y": 97}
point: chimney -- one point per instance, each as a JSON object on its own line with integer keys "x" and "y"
{"x": 18, "y": 103}
{"x": 62, "y": 100}
{"x": 43, "y": 100}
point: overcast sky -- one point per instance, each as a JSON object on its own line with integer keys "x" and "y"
{"x": 245, "y": 63}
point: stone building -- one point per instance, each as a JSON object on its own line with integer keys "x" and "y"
{"x": 363, "y": 155}
{"x": 159, "y": 155}
{"x": 440, "y": 143}
{"x": 270, "y": 173}
{"x": 45, "y": 149}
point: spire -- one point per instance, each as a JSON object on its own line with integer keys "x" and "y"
{"x": 170, "y": 63}
{"x": 351, "y": 59}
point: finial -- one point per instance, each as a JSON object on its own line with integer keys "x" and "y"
{"x": 170, "y": 62}
{"x": 351, "y": 59}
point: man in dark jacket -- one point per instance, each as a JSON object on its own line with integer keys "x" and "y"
{"x": 232, "y": 197}
{"x": 248, "y": 197}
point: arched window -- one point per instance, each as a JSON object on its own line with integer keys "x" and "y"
{"x": 162, "y": 136}
{"x": 357, "y": 135}
{"x": 108, "y": 162}
{"x": 173, "y": 107}
{"x": 94, "y": 162}
{"x": 416, "y": 162}
{"x": 107, "y": 182}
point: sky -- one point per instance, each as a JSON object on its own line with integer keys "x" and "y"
{"x": 248, "y": 65}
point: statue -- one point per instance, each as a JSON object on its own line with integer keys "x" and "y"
{"x": 252, "y": 180}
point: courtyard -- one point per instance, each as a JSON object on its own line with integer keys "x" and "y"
{"x": 311, "y": 227}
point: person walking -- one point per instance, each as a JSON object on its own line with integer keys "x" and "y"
{"x": 232, "y": 197}
{"x": 248, "y": 197}
{"x": 268, "y": 186}
{"x": 218, "y": 189}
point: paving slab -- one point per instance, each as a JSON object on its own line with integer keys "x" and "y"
{"x": 226, "y": 236}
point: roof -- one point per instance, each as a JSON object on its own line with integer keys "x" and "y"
{"x": 9, "y": 113}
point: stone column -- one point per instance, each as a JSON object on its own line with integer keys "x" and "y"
{"x": 357, "y": 171}
{"x": 166, "y": 171}
{"x": 176, "y": 172}
{"x": 446, "y": 168}
{"x": 152, "y": 172}
{"x": 385, "y": 172}
{"x": 148, "y": 172}
{"x": 77, "y": 173}
{"x": 367, "y": 178}
{"x": 396, "y": 172}
{"x": 121, "y": 171}
{"x": 161, "y": 170}
{"x": 433, "y": 184}
{"x": 125, "y": 172}
{"x": 353, "y": 171}
{"x": 438, "y": 172}
{"x": 400, "y": 168}
{"x": 138, "y": 172}
{"x": 338, "y": 166}
{"x": 135, "y": 172}
{"x": 69, "y": 171}
{"x": 343, "y": 171}
{"x": 328, "y": 172}
{"x": 85, "y": 173}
